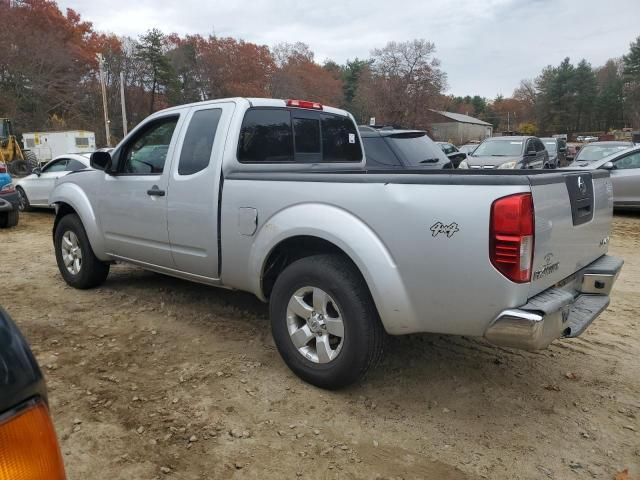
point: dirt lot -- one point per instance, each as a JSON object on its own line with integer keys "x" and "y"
{"x": 152, "y": 377}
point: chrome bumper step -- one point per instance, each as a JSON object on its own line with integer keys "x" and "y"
{"x": 558, "y": 311}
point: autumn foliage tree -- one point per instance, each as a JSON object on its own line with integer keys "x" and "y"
{"x": 403, "y": 81}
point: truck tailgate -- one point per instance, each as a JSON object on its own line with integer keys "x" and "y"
{"x": 573, "y": 213}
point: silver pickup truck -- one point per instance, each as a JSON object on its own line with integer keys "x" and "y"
{"x": 272, "y": 197}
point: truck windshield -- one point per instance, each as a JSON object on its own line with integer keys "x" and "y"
{"x": 417, "y": 149}
{"x": 550, "y": 146}
{"x": 499, "y": 148}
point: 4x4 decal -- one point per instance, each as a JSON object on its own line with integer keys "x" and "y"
{"x": 448, "y": 230}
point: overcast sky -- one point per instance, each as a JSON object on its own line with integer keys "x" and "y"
{"x": 486, "y": 46}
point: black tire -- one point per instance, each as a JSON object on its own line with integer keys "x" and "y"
{"x": 9, "y": 219}
{"x": 363, "y": 335}
{"x": 23, "y": 202}
{"x": 31, "y": 159}
{"x": 92, "y": 271}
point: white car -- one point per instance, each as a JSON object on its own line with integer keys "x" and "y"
{"x": 34, "y": 189}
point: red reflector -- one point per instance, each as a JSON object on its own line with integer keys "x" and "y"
{"x": 512, "y": 235}
{"x": 304, "y": 104}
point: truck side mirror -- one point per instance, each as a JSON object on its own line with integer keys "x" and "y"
{"x": 100, "y": 161}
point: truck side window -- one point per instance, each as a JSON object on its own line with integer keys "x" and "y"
{"x": 266, "y": 136}
{"x": 340, "y": 142}
{"x": 147, "y": 152}
{"x": 198, "y": 141}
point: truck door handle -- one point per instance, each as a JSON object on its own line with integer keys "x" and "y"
{"x": 155, "y": 192}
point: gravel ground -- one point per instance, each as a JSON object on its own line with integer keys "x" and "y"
{"x": 152, "y": 377}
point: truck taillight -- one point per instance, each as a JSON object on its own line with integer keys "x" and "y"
{"x": 304, "y": 104}
{"x": 512, "y": 236}
{"x": 3, "y": 168}
{"x": 28, "y": 446}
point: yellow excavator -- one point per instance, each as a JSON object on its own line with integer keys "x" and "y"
{"x": 19, "y": 162}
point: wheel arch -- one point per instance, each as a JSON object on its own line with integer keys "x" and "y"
{"x": 67, "y": 199}
{"x": 277, "y": 245}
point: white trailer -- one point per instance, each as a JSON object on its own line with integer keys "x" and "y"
{"x": 48, "y": 145}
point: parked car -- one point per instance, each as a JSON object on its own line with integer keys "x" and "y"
{"x": 598, "y": 150}
{"x": 508, "y": 152}
{"x": 557, "y": 150}
{"x": 391, "y": 148}
{"x": 273, "y": 197}
{"x": 28, "y": 444}
{"x": 468, "y": 148}
{"x": 9, "y": 206}
{"x": 624, "y": 166}
{"x": 34, "y": 189}
{"x": 452, "y": 153}
{"x": 5, "y": 176}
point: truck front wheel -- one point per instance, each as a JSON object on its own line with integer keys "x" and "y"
{"x": 324, "y": 322}
{"x": 77, "y": 263}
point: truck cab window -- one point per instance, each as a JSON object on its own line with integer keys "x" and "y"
{"x": 198, "y": 142}
{"x": 266, "y": 136}
{"x": 146, "y": 153}
{"x": 340, "y": 142}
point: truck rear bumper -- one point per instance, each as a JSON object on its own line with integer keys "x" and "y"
{"x": 561, "y": 311}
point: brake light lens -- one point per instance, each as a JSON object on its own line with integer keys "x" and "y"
{"x": 3, "y": 167}
{"x": 304, "y": 104}
{"x": 28, "y": 446}
{"x": 512, "y": 236}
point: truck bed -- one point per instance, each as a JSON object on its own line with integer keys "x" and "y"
{"x": 449, "y": 278}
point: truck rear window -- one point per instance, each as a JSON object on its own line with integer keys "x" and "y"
{"x": 266, "y": 136}
{"x": 277, "y": 135}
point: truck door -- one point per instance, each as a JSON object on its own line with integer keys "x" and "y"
{"x": 194, "y": 190}
{"x": 133, "y": 202}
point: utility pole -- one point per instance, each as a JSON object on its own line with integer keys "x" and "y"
{"x": 124, "y": 107}
{"x": 104, "y": 98}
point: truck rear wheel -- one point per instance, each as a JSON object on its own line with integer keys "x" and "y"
{"x": 324, "y": 322}
{"x": 77, "y": 263}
